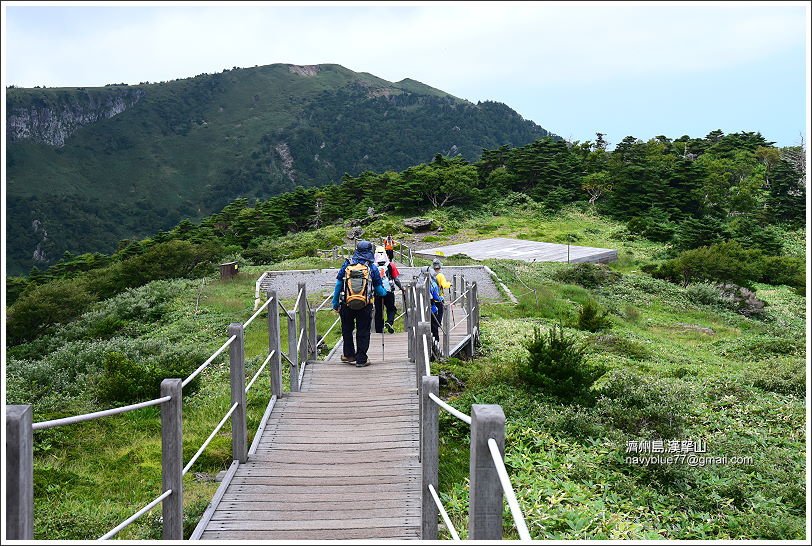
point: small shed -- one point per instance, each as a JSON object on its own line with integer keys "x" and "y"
{"x": 228, "y": 270}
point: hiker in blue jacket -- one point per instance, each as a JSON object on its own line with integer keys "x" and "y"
{"x": 437, "y": 302}
{"x": 355, "y": 307}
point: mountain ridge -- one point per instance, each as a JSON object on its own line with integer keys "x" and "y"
{"x": 91, "y": 176}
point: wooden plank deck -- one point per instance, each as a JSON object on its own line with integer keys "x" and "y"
{"x": 338, "y": 460}
{"x": 522, "y": 249}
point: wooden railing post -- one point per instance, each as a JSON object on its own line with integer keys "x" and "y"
{"x": 423, "y": 328}
{"x": 239, "y": 427}
{"x": 303, "y": 320}
{"x": 446, "y": 329}
{"x": 475, "y": 298}
{"x": 293, "y": 353}
{"x": 462, "y": 289}
{"x": 172, "y": 458}
{"x": 454, "y": 287}
{"x": 19, "y": 473}
{"x": 430, "y": 453}
{"x": 274, "y": 344}
{"x": 407, "y": 319}
{"x": 469, "y": 321}
{"x": 427, "y": 297}
{"x": 314, "y": 338}
{"x": 485, "y": 496}
{"x": 413, "y": 319}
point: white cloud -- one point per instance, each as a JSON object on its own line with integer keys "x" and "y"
{"x": 450, "y": 46}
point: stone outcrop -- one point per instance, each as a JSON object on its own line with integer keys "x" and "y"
{"x": 53, "y": 123}
{"x": 419, "y": 224}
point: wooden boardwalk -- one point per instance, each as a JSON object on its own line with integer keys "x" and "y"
{"x": 338, "y": 460}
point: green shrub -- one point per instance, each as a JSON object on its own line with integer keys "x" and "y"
{"x": 296, "y": 245}
{"x": 620, "y": 346}
{"x": 588, "y": 275}
{"x": 631, "y": 313}
{"x": 52, "y": 303}
{"x": 556, "y": 365}
{"x": 643, "y": 405}
{"x": 592, "y": 319}
{"x": 787, "y": 270}
{"x": 128, "y": 380}
{"x": 704, "y": 293}
{"x": 724, "y": 263}
{"x": 782, "y": 376}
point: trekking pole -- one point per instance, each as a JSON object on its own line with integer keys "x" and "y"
{"x": 383, "y": 348}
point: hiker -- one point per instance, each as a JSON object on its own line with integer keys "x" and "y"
{"x": 436, "y": 309}
{"x": 390, "y": 278}
{"x": 442, "y": 282}
{"x": 389, "y": 246}
{"x": 356, "y": 282}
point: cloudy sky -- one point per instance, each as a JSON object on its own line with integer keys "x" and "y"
{"x": 626, "y": 68}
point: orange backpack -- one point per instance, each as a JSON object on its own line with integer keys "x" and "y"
{"x": 357, "y": 286}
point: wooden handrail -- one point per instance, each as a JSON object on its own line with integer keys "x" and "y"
{"x": 19, "y": 444}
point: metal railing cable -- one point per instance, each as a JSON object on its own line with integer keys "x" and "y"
{"x": 336, "y": 321}
{"x": 507, "y": 488}
{"x": 286, "y": 357}
{"x": 209, "y": 439}
{"x": 255, "y": 315}
{"x": 298, "y": 301}
{"x": 328, "y": 298}
{"x": 299, "y": 341}
{"x": 115, "y": 411}
{"x": 259, "y": 371}
{"x": 208, "y": 361}
{"x": 444, "y": 514}
{"x": 285, "y": 309}
{"x": 426, "y": 354}
{"x": 453, "y": 411}
{"x": 42, "y": 425}
{"x": 458, "y": 298}
{"x": 126, "y": 523}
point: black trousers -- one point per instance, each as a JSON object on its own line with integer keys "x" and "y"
{"x": 387, "y": 301}
{"x": 359, "y": 320}
{"x": 437, "y": 322}
{"x": 391, "y": 253}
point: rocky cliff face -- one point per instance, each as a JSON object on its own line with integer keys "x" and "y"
{"x": 52, "y": 121}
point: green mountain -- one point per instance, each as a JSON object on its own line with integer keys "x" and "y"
{"x": 90, "y": 167}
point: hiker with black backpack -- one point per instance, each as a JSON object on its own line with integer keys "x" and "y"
{"x": 357, "y": 282}
{"x": 390, "y": 278}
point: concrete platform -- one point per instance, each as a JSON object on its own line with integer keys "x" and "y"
{"x": 529, "y": 251}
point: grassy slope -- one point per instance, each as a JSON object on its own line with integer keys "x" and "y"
{"x": 740, "y": 389}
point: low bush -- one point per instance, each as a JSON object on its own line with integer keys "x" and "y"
{"x": 556, "y": 365}
{"x": 704, "y": 293}
{"x": 643, "y": 405}
{"x": 55, "y": 302}
{"x": 588, "y": 275}
{"x": 127, "y": 380}
{"x": 620, "y": 346}
{"x": 723, "y": 263}
{"x": 787, "y": 270}
{"x": 781, "y": 376}
{"x": 592, "y": 319}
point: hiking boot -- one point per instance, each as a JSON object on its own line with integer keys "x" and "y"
{"x": 362, "y": 364}
{"x": 347, "y": 358}
{"x": 389, "y": 328}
